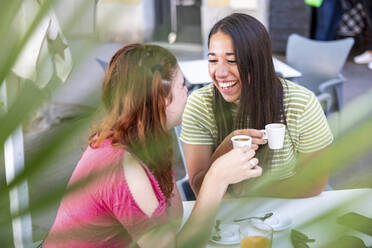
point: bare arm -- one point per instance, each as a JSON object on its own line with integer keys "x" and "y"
{"x": 284, "y": 188}
{"x": 200, "y": 157}
{"x": 310, "y": 180}
{"x": 233, "y": 167}
{"x": 230, "y": 168}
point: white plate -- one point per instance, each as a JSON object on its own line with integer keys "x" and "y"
{"x": 229, "y": 234}
{"x": 276, "y": 221}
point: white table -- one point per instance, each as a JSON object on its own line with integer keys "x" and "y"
{"x": 301, "y": 211}
{"x": 285, "y": 70}
{"x": 196, "y": 71}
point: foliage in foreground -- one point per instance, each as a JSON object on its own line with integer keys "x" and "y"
{"x": 353, "y": 138}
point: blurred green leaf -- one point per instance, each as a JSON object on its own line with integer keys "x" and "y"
{"x": 9, "y": 58}
{"x": 353, "y": 138}
{"x": 346, "y": 241}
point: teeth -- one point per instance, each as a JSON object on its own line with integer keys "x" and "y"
{"x": 227, "y": 84}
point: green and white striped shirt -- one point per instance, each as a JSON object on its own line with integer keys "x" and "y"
{"x": 306, "y": 124}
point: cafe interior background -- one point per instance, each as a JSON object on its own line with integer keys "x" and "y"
{"x": 46, "y": 127}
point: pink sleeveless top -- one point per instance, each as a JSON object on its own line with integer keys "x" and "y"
{"x": 103, "y": 213}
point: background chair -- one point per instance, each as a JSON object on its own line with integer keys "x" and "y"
{"x": 320, "y": 63}
{"x": 183, "y": 184}
{"x": 102, "y": 63}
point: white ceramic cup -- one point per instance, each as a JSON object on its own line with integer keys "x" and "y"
{"x": 274, "y": 133}
{"x": 241, "y": 141}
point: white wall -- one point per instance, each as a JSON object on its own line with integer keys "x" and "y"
{"x": 148, "y": 19}
{"x": 83, "y": 13}
{"x": 133, "y": 20}
{"x": 214, "y": 10}
{"x": 125, "y": 20}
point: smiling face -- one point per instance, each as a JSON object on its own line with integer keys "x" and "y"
{"x": 223, "y": 68}
{"x": 176, "y": 106}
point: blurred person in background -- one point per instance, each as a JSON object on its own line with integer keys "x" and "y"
{"x": 129, "y": 196}
{"x": 328, "y": 16}
{"x": 246, "y": 94}
{"x": 366, "y": 56}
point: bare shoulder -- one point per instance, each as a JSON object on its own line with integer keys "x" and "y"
{"x": 139, "y": 184}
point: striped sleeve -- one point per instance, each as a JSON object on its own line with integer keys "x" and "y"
{"x": 198, "y": 119}
{"x": 315, "y": 133}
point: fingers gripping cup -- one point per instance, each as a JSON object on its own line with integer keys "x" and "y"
{"x": 274, "y": 133}
{"x": 241, "y": 141}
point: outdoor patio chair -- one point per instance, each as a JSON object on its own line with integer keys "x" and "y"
{"x": 102, "y": 63}
{"x": 320, "y": 63}
{"x": 183, "y": 184}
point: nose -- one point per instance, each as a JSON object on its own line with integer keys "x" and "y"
{"x": 221, "y": 70}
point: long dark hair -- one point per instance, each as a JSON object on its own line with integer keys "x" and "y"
{"x": 261, "y": 99}
{"x": 135, "y": 89}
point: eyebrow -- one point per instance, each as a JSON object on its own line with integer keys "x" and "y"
{"x": 228, "y": 54}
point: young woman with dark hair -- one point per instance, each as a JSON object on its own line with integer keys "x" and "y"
{"x": 123, "y": 190}
{"x": 245, "y": 95}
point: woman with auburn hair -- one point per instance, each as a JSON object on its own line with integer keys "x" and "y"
{"x": 127, "y": 194}
{"x": 246, "y": 95}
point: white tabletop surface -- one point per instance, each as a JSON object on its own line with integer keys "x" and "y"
{"x": 301, "y": 211}
{"x": 285, "y": 70}
{"x": 196, "y": 71}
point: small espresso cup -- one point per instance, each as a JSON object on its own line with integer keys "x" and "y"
{"x": 274, "y": 133}
{"x": 241, "y": 141}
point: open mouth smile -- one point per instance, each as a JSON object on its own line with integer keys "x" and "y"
{"x": 227, "y": 85}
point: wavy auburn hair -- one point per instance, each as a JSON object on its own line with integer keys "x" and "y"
{"x": 135, "y": 90}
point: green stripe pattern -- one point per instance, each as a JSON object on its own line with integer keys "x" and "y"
{"x": 306, "y": 124}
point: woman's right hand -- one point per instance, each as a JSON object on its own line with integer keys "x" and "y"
{"x": 235, "y": 166}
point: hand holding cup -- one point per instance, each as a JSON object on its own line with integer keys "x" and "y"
{"x": 235, "y": 166}
{"x": 274, "y": 133}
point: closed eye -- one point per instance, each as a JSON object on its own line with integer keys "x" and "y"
{"x": 212, "y": 60}
{"x": 232, "y": 61}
